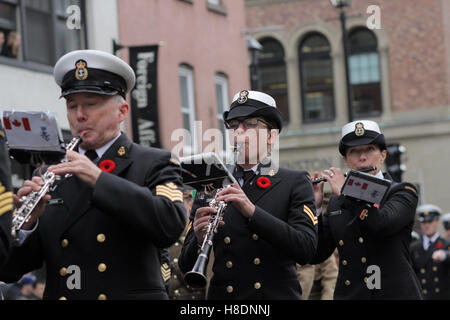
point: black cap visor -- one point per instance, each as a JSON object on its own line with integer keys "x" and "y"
{"x": 270, "y": 114}
{"x": 370, "y": 137}
{"x": 90, "y": 89}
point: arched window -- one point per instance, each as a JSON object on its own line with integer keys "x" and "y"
{"x": 316, "y": 78}
{"x": 272, "y": 74}
{"x": 364, "y": 73}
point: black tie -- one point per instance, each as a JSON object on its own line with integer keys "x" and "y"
{"x": 92, "y": 155}
{"x": 248, "y": 175}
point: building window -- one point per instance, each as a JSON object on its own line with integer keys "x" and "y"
{"x": 364, "y": 72}
{"x": 316, "y": 78}
{"x": 186, "y": 76}
{"x": 272, "y": 73}
{"x": 223, "y": 104}
{"x": 41, "y": 31}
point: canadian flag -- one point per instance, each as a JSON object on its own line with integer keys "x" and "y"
{"x": 16, "y": 123}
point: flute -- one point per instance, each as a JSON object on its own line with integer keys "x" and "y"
{"x": 345, "y": 174}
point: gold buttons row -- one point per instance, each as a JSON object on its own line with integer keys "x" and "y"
{"x": 100, "y": 238}
{"x": 101, "y": 268}
{"x": 100, "y": 297}
{"x": 345, "y": 262}
{"x": 256, "y": 285}
{"x": 360, "y": 240}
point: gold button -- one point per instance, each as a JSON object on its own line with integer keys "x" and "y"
{"x": 424, "y": 291}
{"x": 256, "y": 261}
{"x": 366, "y": 279}
{"x": 229, "y": 264}
{"x": 255, "y": 236}
{"x": 341, "y": 242}
{"x": 434, "y": 268}
{"x": 437, "y": 290}
{"x": 177, "y": 292}
{"x": 229, "y": 289}
{"x": 257, "y": 285}
{"x": 62, "y": 298}
{"x": 424, "y": 281}
{"x": 422, "y": 270}
{"x": 175, "y": 260}
{"x": 63, "y": 271}
{"x": 227, "y": 240}
{"x": 177, "y": 244}
{"x": 101, "y": 296}
{"x": 361, "y": 240}
{"x": 344, "y": 262}
{"x": 101, "y": 267}
{"x": 64, "y": 243}
{"x": 436, "y": 279}
{"x": 347, "y": 282}
{"x": 363, "y": 259}
{"x": 101, "y": 237}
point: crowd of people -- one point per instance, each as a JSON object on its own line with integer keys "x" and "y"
{"x": 123, "y": 213}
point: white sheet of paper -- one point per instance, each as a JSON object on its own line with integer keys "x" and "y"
{"x": 32, "y": 130}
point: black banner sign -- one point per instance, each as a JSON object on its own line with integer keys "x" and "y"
{"x": 144, "y": 96}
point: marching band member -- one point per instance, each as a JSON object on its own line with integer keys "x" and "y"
{"x": 6, "y": 199}
{"x": 99, "y": 234}
{"x": 372, "y": 240}
{"x": 270, "y": 222}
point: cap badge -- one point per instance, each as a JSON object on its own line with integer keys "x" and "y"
{"x": 359, "y": 129}
{"x": 121, "y": 151}
{"x": 81, "y": 73}
{"x": 243, "y": 96}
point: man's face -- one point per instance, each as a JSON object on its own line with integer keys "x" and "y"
{"x": 430, "y": 228}
{"x": 254, "y": 137}
{"x": 359, "y": 157}
{"x": 95, "y": 117}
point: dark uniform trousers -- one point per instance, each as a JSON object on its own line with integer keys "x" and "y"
{"x": 109, "y": 234}
{"x": 256, "y": 258}
{"x": 370, "y": 236}
{"x": 6, "y": 199}
{"x": 434, "y": 276}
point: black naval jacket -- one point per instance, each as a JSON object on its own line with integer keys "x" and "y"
{"x": 256, "y": 258}
{"x": 434, "y": 276}
{"x": 112, "y": 232}
{"x": 378, "y": 236}
{"x": 6, "y": 200}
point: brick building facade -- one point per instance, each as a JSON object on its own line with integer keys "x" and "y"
{"x": 399, "y": 75}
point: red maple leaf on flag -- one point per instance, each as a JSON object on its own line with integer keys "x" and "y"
{"x": 16, "y": 123}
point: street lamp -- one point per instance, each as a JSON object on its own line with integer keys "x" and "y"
{"x": 254, "y": 47}
{"x": 341, "y": 4}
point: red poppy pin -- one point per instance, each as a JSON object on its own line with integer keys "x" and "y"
{"x": 107, "y": 165}
{"x": 263, "y": 182}
{"x": 439, "y": 245}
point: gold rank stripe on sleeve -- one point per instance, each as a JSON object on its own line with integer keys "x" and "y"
{"x": 310, "y": 214}
{"x": 411, "y": 189}
{"x": 165, "y": 271}
{"x": 170, "y": 191}
{"x": 6, "y": 202}
{"x": 189, "y": 227}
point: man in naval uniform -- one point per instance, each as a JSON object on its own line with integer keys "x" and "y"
{"x": 269, "y": 223}
{"x": 103, "y": 225}
{"x": 431, "y": 255}
{"x": 372, "y": 240}
{"x": 6, "y": 199}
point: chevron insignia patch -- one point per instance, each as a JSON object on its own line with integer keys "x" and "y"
{"x": 165, "y": 271}
{"x": 6, "y": 200}
{"x": 310, "y": 214}
{"x": 170, "y": 191}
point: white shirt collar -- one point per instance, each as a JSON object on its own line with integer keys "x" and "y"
{"x": 379, "y": 174}
{"x": 426, "y": 240}
{"x": 100, "y": 151}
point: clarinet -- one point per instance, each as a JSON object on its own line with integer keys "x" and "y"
{"x": 29, "y": 202}
{"x": 196, "y": 278}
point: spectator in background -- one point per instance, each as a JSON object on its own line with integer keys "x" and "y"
{"x": 446, "y": 223}
{"x": 12, "y": 45}
{"x": 2, "y": 42}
